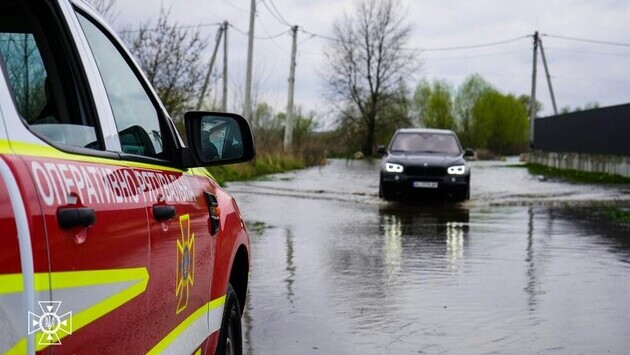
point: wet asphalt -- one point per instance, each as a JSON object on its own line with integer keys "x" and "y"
{"x": 522, "y": 268}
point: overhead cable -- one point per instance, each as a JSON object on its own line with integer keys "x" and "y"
{"x": 276, "y": 14}
{"x": 435, "y": 49}
{"x": 172, "y": 27}
{"x": 259, "y": 37}
{"x": 597, "y": 41}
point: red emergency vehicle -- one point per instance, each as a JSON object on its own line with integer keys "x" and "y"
{"x": 113, "y": 239}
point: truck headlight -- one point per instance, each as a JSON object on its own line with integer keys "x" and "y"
{"x": 457, "y": 170}
{"x": 393, "y": 168}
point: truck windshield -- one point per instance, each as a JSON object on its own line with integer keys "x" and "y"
{"x": 437, "y": 143}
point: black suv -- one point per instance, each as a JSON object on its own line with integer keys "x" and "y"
{"x": 424, "y": 163}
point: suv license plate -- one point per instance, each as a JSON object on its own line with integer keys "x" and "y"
{"x": 425, "y": 185}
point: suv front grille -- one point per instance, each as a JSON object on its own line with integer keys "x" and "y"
{"x": 425, "y": 171}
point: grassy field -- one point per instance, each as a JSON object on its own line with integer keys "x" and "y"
{"x": 618, "y": 214}
{"x": 576, "y": 176}
{"x": 262, "y": 165}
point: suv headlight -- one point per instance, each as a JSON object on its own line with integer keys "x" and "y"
{"x": 393, "y": 168}
{"x": 457, "y": 170}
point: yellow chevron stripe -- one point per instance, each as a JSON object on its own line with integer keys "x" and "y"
{"x": 78, "y": 279}
{"x": 175, "y": 333}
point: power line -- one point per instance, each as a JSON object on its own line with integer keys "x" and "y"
{"x": 277, "y": 15}
{"x": 279, "y": 19}
{"x": 244, "y": 33}
{"x": 569, "y": 50}
{"x": 235, "y": 6}
{"x": 238, "y": 29}
{"x": 272, "y": 37}
{"x": 435, "y": 49}
{"x": 172, "y": 27}
{"x": 597, "y": 41}
{"x": 319, "y": 36}
{"x": 473, "y": 46}
{"x": 307, "y": 39}
{"x": 478, "y": 55}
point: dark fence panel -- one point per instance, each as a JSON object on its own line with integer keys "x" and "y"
{"x": 599, "y": 131}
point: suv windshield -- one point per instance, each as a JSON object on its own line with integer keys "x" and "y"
{"x": 441, "y": 143}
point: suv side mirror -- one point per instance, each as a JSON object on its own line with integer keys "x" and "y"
{"x": 469, "y": 153}
{"x": 218, "y": 138}
{"x": 381, "y": 150}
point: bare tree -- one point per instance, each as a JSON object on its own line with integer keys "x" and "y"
{"x": 365, "y": 61}
{"x": 171, "y": 57}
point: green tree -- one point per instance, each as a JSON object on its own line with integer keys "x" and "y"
{"x": 499, "y": 123}
{"x": 473, "y": 87}
{"x": 434, "y": 104}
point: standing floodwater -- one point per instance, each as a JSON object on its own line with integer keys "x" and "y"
{"x": 337, "y": 271}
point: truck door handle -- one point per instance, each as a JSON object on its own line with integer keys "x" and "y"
{"x": 163, "y": 212}
{"x": 71, "y": 217}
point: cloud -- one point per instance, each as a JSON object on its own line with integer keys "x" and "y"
{"x": 589, "y": 73}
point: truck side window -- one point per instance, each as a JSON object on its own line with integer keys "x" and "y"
{"x": 136, "y": 117}
{"x": 38, "y": 70}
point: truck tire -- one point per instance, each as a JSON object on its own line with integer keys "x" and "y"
{"x": 230, "y": 337}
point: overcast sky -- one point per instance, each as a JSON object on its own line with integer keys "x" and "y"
{"x": 581, "y": 72}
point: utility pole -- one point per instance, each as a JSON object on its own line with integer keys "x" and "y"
{"x": 250, "y": 58}
{"x": 225, "y": 66}
{"x": 553, "y": 97}
{"x": 288, "y": 127}
{"x": 206, "y": 81}
{"x": 532, "y": 99}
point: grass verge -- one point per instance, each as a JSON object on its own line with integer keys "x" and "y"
{"x": 262, "y": 165}
{"x": 618, "y": 214}
{"x": 576, "y": 176}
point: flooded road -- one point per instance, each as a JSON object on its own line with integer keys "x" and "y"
{"x": 514, "y": 270}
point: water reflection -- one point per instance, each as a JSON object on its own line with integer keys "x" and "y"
{"x": 431, "y": 233}
{"x": 248, "y": 344}
{"x": 530, "y": 288}
{"x": 420, "y": 231}
{"x": 290, "y": 268}
{"x": 392, "y": 247}
{"x": 454, "y": 241}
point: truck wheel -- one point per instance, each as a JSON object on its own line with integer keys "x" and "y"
{"x": 230, "y": 338}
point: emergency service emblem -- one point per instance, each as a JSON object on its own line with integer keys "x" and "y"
{"x": 185, "y": 263}
{"x": 49, "y": 323}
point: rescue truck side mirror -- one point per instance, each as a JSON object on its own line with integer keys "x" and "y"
{"x": 218, "y": 138}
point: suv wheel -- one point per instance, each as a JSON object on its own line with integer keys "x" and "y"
{"x": 382, "y": 194}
